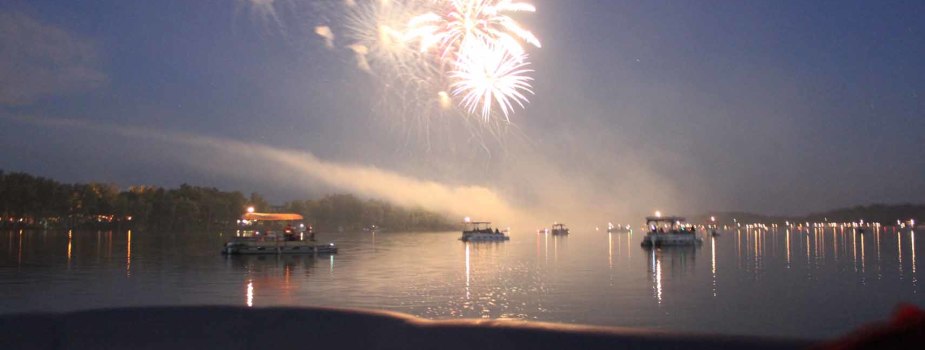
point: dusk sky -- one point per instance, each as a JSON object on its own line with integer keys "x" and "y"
{"x": 781, "y": 107}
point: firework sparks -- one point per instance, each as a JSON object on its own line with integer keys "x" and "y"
{"x": 488, "y": 75}
{"x": 470, "y": 52}
{"x": 482, "y": 20}
{"x": 379, "y": 26}
{"x": 326, "y": 33}
{"x": 444, "y": 99}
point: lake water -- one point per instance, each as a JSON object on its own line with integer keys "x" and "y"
{"x": 811, "y": 283}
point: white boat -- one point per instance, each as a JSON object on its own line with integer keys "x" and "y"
{"x": 559, "y": 230}
{"x": 481, "y": 232}
{"x": 274, "y": 233}
{"x": 669, "y": 231}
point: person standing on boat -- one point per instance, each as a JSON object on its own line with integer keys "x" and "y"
{"x": 289, "y": 233}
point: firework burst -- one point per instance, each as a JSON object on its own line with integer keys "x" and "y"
{"x": 465, "y": 52}
{"x": 486, "y": 75}
{"x": 467, "y": 20}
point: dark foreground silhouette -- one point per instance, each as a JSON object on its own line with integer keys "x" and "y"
{"x": 225, "y": 327}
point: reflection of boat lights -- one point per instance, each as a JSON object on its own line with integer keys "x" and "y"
{"x": 128, "y": 254}
{"x": 877, "y": 244}
{"x": 658, "y": 279}
{"x": 19, "y": 254}
{"x": 912, "y": 242}
{"x": 546, "y": 248}
{"x": 629, "y": 252}
{"x": 787, "y": 235}
{"x": 467, "y": 270}
{"x": 899, "y": 247}
{"x": 713, "y": 261}
{"x": 332, "y": 262}
{"x": 555, "y": 248}
{"x": 250, "y": 293}
{"x": 862, "y": 254}
{"x": 854, "y": 251}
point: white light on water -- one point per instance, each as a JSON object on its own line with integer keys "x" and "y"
{"x": 250, "y": 293}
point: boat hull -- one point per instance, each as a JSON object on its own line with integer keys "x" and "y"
{"x": 484, "y": 237}
{"x": 277, "y": 248}
{"x": 670, "y": 239}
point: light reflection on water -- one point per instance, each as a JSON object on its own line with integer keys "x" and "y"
{"x": 752, "y": 285}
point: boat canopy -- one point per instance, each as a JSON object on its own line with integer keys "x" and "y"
{"x": 477, "y": 224}
{"x": 272, "y": 216}
{"x": 560, "y": 226}
{"x": 668, "y": 219}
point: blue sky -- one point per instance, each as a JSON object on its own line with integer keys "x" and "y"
{"x": 772, "y": 106}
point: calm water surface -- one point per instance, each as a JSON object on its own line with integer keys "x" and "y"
{"x": 814, "y": 283}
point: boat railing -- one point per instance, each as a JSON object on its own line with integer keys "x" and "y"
{"x": 264, "y": 238}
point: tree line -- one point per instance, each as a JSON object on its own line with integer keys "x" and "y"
{"x": 28, "y": 201}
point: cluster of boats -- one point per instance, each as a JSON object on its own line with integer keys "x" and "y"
{"x": 285, "y": 233}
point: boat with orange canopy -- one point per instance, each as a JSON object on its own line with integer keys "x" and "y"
{"x": 275, "y": 233}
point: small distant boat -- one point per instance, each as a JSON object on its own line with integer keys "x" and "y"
{"x": 260, "y": 236}
{"x": 611, "y": 228}
{"x": 481, "y": 231}
{"x": 670, "y": 231}
{"x": 559, "y": 230}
